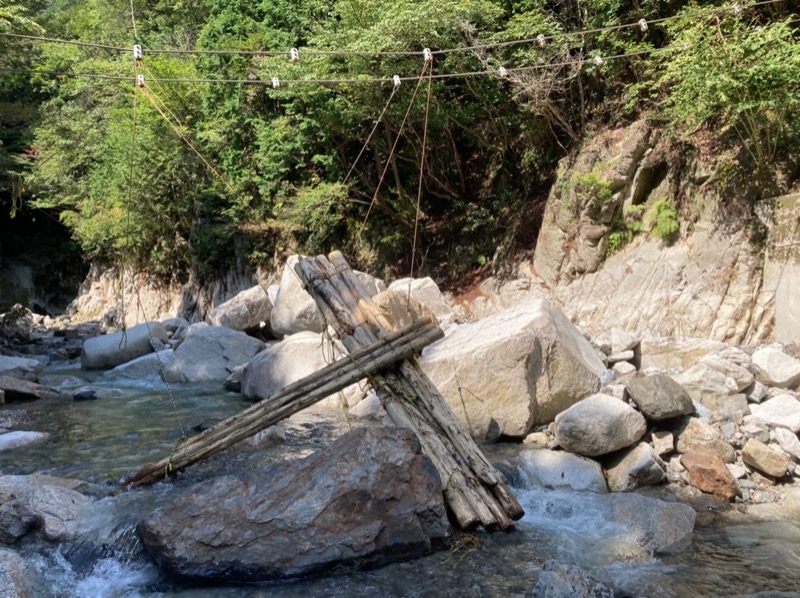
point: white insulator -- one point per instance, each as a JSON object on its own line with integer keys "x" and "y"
{"x": 137, "y": 52}
{"x": 736, "y": 9}
{"x": 643, "y": 24}
{"x": 598, "y": 60}
{"x": 275, "y": 83}
{"x": 396, "y": 81}
{"x": 503, "y": 71}
{"x": 139, "y": 80}
{"x": 294, "y": 54}
{"x": 542, "y": 40}
{"x": 427, "y": 54}
{"x": 759, "y": 28}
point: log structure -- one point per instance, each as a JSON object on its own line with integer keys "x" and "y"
{"x": 474, "y": 490}
{"x": 366, "y": 362}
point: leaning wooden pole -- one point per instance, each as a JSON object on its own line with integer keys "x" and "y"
{"x": 400, "y": 345}
{"x": 475, "y": 492}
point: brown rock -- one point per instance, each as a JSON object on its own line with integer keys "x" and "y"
{"x": 764, "y": 458}
{"x": 707, "y": 472}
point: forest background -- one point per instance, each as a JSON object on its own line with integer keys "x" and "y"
{"x": 297, "y": 167}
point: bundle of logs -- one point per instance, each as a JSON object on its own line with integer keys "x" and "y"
{"x": 473, "y": 489}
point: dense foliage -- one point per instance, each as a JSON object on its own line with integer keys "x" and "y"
{"x": 114, "y": 164}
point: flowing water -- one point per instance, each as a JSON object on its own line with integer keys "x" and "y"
{"x": 102, "y": 440}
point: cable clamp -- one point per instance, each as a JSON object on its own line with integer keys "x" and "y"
{"x": 275, "y": 83}
{"x": 598, "y": 60}
{"x": 503, "y": 71}
{"x": 140, "y": 81}
{"x": 643, "y": 24}
{"x": 427, "y": 55}
{"x": 542, "y": 40}
{"x": 137, "y": 52}
{"x": 294, "y": 54}
{"x": 396, "y": 81}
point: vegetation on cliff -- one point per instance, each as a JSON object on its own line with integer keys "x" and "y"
{"x": 105, "y": 158}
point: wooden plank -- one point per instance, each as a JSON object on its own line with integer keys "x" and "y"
{"x": 364, "y": 363}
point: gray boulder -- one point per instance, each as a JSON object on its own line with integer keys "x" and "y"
{"x": 20, "y": 439}
{"x": 780, "y": 411}
{"x": 210, "y": 353}
{"x": 15, "y": 389}
{"x": 245, "y": 311}
{"x": 560, "y": 469}
{"x": 20, "y": 367}
{"x": 511, "y": 371}
{"x": 634, "y": 468}
{"x": 707, "y": 385}
{"x": 776, "y": 368}
{"x": 599, "y": 425}
{"x": 696, "y": 435}
{"x": 656, "y": 525}
{"x": 294, "y": 309}
{"x": 428, "y": 294}
{"x": 93, "y": 393}
{"x": 13, "y": 576}
{"x": 141, "y": 368}
{"x": 659, "y": 397}
{"x": 559, "y": 580}
{"x": 108, "y": 350}
{"x": 39, "y": 504}
{"x": 370, "y": 498}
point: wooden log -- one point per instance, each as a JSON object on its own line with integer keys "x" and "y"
{"x": 475, "y": 492}
{"x": 297, "y": 396}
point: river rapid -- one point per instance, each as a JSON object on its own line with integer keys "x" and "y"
{"x": 100, "y": 441}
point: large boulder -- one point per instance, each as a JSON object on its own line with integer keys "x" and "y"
{"x": 707, "y": 472}
{"x": 707, "y": 385}
{"x": 776, "y": 368}
{"x": 21, "y": 439}
{"x": 13, "y": 576}
{"x": 370, "y": 498}
{"x": 210, "y": 353}
{"x": 560, "y": 580}
{"x": 22, "y": 390}
{"x": 108, "y": 350}
{"x": 598, "y": 425}
{"x": 659, "y": 397}
{"x": 39, "y": 504}
{"x": 289, "y": 360}
{"x": 510, "y": 371}
{"x": 294, "y": 309}
{"x": 428, "y": 294}
{"x": 560, "y": 469}
{"x": 634, "y": 468}
{"x": 142, "y": 368}
{"x": 696, "y": 435}
{"x": 780, "y": 411}
{"x": 245, "y": 311}
{"x": 20, "y": 367}
{"x": 656, "y": 525}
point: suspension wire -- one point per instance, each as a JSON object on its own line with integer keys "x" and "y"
{"x": 164, "y": 91}
{"x": 394, "y": 146}
{"x": 712, "y": 11}
{"x": 419, "y": 187}
{"x": 133, "y": 20}
{"x": 371, "y": 133}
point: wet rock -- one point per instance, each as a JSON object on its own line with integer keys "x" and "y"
{"x": 294, "y": 310}
{"x": 636, "y": 467}
{"x": 233, "y": 382}
{"x": 145, "y": 367}
{"x": 514, "y": 370}
{"x": 109, "y": 350}
{"x": 13, "y": 576}
{"x": 782, "y": 410}
{"x": 696, "y": 435}
{"x": 21, "y": 368}
{"x": 656, "y": 525}
{"x": 20, "y": 439}
{"x": 428, "y": 294}
{"x": 245, "y": 311}
{"x": 659, "y": 397}
{"x": 758, "y": 455}
{"x": 370, "y": 498}
{"x": 707, "y": 472}
{"x": 776, "y": 368}
{"x": 209, "y": 354}
{"x": 93, "y": 393}
{"x": 22, "y": 390}
{"x": 599, "y": 425}
{"x": 788, "y": 441}
{"x": 560, "y": 469}
{"x": 49, "y": 507}
{"x": 559, "y": 580}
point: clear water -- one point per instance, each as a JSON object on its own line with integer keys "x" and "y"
{"x": 102, "y": 440}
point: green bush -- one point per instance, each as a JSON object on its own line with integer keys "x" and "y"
{"x": 662, "y": 220}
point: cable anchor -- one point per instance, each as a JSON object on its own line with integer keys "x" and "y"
{"x": 643, "y": 24}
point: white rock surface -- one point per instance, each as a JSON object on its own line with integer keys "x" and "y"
{"x": 109, "y": 350}
{"x": 245, "y": 311}
{"x": 294, "y": 310}
{"x": 210, "y": 353}
{"x": 561, "y": 469}
{"x": 782, "y": 410}
{"x": 20, "y": 439}
{"x": 776, "y": 368}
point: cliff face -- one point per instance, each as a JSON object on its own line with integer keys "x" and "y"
{"x": 722, "y": 273}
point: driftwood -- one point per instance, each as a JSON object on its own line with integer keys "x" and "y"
{"x": 475, "y": 492}
{"x": 360, "y": 364}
